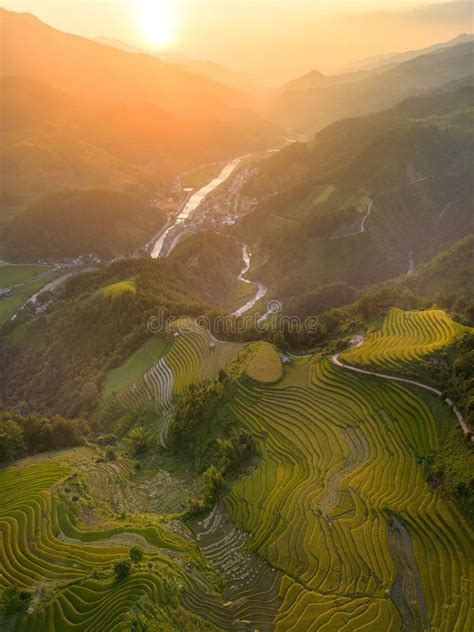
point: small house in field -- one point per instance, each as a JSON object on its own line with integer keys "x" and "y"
{"x": 5, "y": 292}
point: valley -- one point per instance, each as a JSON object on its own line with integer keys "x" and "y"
{"x": 236, "y": 321}
{"x": 171, "y": 236}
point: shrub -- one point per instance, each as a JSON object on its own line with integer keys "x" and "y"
{"x": 136, "y": 553}
{"x": 137, "y": 441}
{"x": 110, "y": 453}
{"x": 122, "y": 569}
{"x": 213, "y": 484}
{"x": 15, "y": 601}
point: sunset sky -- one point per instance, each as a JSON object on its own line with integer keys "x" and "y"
{"x": 260, "y": 35}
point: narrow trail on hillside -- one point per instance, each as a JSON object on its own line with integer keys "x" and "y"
{"x": 335, "y": 359}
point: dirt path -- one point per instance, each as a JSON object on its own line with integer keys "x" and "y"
{"x": 335, "y": 359}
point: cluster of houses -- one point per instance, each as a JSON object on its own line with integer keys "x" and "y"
{"x": 226, "y": 204}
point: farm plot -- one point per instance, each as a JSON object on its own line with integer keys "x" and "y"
{"x": 193, "y": 356}
{"x": 250, "y": 598}
{"x": 339, "y": 504}
{"x": 265, "y": 366}
{"x": 404, "y": 339}
{"x": 135, "y": 366}
{"x": 152, "y": 490}
{"x": 24, "y": 281}
{"x": 69, "y": 570}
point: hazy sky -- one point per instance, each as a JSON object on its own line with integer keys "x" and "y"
{"x": 257, "y": 35}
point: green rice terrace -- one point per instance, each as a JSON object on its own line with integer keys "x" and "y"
{"x": 333, "y": 527}
{"x": 404, "y": 339}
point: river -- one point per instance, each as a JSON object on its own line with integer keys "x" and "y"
{"x": 196, "y": 200}
{"x": 191, "y": 205}
{"x": 260, "y": 291}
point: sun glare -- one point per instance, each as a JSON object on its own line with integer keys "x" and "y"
{"x": 157, "y": 21}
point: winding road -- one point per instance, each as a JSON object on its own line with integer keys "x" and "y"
{"x": 335, "y": 359}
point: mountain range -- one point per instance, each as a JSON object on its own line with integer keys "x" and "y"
{"x": 313, "y": 101}
{"x": 236, "y": 385}
{"x": 211, "y": 70}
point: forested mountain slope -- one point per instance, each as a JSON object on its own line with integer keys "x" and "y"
{"x": 76, "y": 114}
{"x": 68, "y": 224}
{"x": 368, "y": 198}
{"x": 309, "y": 104}
{"x": 100, "y": 318}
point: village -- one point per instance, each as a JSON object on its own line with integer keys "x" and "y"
{"x": 222, "y": 207}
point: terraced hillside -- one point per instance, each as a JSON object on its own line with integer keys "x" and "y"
{"x": 251, "y": 586}
{"x": 193, "y": 356}
{"x": 68, "y": 569}
{"x": 404, "y": 339}
{"x": 339, "y": 504}
{"x": 334, "y": 527}
{"x": 63, "y": 556}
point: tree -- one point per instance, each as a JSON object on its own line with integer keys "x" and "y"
{"x": 223, "y": 376}
{"x": 279, "y": 340}
{"x": 88, "y": 395}
{"x": 11, "y": 440}
{"x": 136, "y": 553}
{"x": 122, "y": 569}
{"x": 213, "y": 484}
{"x": 15, "y": 601}
{"x": 64, "y": 433}
{"x": 136, "y": 441}
{"x": 110, "y": 453}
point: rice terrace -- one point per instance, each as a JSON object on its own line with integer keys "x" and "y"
{"x": 236, "y": 316}
{"x": 336, "y": 527}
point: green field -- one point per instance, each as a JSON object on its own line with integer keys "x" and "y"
{"x": 265, "y": 366}
{"x": 114, "y": 290}
{"x": 164, "y": 368}
{"x": 69, "y": 567}
{"x": 135, "y": 366}
{"x": 405, "y": 338}
{"x": 324, "y": 195}
{"x": 28, "y": 279}
{"x": 13, "y": 274}
{"x": 339, "y": 504}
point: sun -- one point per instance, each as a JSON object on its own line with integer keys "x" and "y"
{"x": 157, "y": 21}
